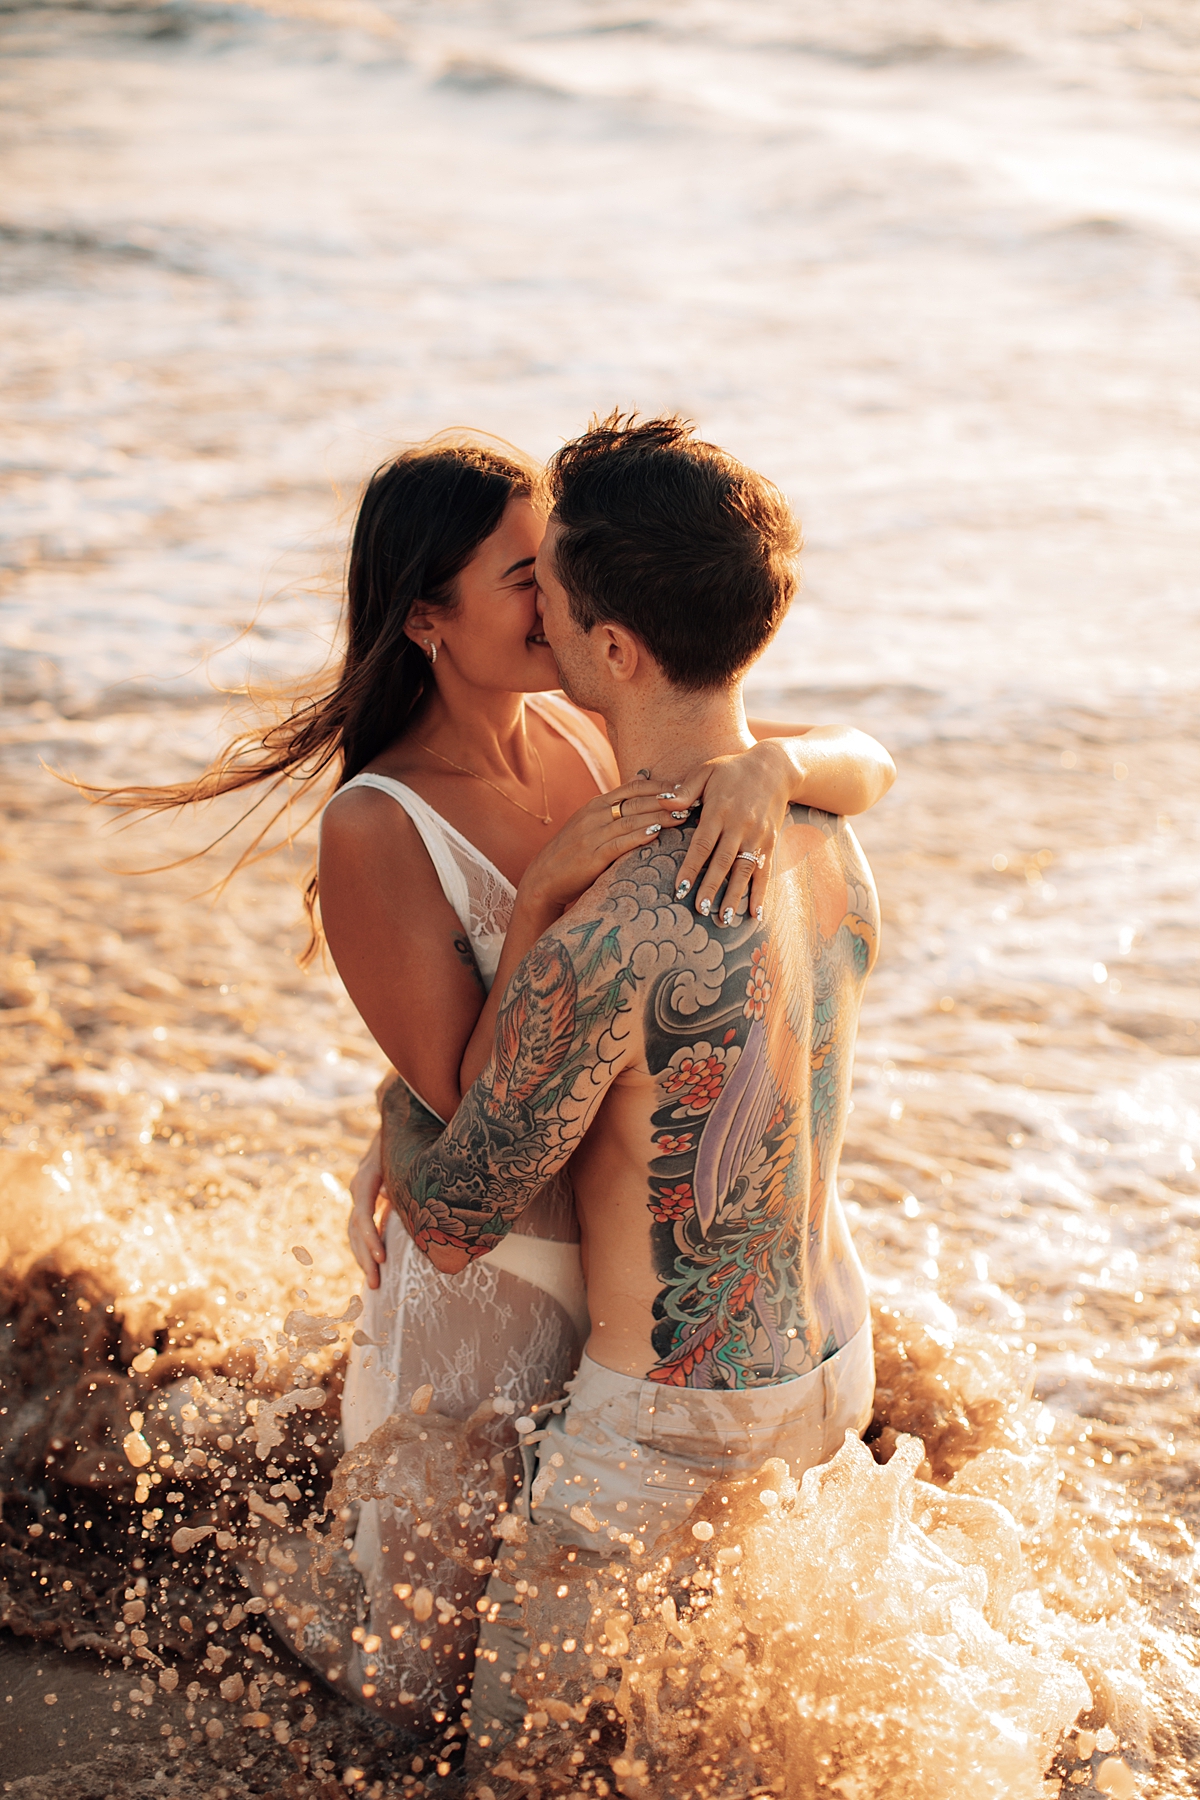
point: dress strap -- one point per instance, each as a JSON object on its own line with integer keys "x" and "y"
{"x": 563, "y": 716}
{"x": 432, "y": 832}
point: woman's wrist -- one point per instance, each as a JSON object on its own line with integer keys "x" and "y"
{"x": 534, "y": 910}
{"x": 783, "y": 766}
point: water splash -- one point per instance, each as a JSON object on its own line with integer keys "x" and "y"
{"x": 802, "y": 1638}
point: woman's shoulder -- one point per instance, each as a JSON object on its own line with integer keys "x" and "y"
{"x": 369, "y": 843}
{"x": 361, "y": 811}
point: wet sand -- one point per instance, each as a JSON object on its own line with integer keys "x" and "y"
{"x": 936, "y": 272}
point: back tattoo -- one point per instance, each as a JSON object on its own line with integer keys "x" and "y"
{"x": 748, "y": 1032}
{"x": 754, "y": 1089}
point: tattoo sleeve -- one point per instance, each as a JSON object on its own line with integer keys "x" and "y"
{"x": 561, "y": 1040}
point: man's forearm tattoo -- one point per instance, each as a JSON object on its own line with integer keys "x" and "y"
{"x": 559, "y": 1035}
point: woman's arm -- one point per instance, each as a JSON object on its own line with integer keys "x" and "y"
{"x": 398, "y": 943}
{"x": 834, "y": 768}
{"x": 407, "y": 966}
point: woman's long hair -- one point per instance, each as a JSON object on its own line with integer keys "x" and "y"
{"x": 422, "y": 516}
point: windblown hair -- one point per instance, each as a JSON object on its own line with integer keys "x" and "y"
{"x": 675, "y": 540}
{"x": 422, "y": 516}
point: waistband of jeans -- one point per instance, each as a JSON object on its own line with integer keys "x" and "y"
{"x": 772, "y": 1403}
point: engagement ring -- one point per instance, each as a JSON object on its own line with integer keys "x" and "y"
{"x": 755, "y": 856}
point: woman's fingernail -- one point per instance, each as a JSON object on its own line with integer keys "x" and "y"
{"x": 669, "y": 796}
{"x": 727, "y": 916}
{"x": 651, "y": 829}
{"x": 679, "y": 815}
{"x": 704, "y": 907}
{"x": 683, "y": 890}
{"x": 643, "y": 774}
{"x": 758, "y": 914}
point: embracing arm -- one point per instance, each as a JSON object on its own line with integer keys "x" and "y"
{"x": 745, "y": 800}
{"x": 562, "y": 1037}
{"x": 836, "y": 768}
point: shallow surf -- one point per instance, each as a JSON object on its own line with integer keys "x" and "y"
{"x": 933, "y": 268}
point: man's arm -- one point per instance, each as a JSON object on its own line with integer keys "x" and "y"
{"x": 563, "y": 1035}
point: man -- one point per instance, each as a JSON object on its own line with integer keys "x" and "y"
{"x": 694, "y": 1069}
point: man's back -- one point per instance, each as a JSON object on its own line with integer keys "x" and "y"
{"x": 697, "y": 1077}
{"x": 715, "y": 1249}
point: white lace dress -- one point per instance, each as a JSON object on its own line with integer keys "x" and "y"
{"x": 512, "y": 1323}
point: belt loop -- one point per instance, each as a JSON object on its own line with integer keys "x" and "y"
{"x": 828, "y": 1404}
{"x": 522, "y": 1504}
{"x": 645, "y": 1412}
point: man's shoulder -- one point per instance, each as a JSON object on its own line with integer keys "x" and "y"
{"x": 841, "y": 888}
{"x": 835, "y": 830}
{"x": 630, "y": 919}
{"x": 643, "y": 880}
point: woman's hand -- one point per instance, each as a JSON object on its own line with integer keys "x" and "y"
{"x": 603, "y": 829}
{"x": 745, "y": 802}
{"x": 834, "y": 768}
{"x": 366, "y": 1239}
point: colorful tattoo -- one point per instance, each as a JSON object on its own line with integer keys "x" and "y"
{"x": 738, "y": 1200}
{"x": 466, "y": 955}
{"x": 748, "y": 1032}
{"x": 559, "y": 1041}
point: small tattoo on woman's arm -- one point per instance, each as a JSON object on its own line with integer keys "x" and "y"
{"x": 466, "y": 955}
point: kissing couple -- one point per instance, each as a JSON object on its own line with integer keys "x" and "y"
{"x": 612, "y": 937}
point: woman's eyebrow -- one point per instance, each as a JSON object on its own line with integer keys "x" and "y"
{"x": 525, "y": 563}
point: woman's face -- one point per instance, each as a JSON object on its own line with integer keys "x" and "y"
{"x": 493, "y": 638}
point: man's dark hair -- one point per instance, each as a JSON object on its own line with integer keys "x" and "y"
{"x": 675, "y": 540}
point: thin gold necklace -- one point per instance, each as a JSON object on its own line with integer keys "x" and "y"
{"x": 543, "y": 818}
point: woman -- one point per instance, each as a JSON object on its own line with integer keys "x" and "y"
{"x": 474, "y": 804}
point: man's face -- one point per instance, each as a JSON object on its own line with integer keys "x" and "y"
{"x": 574, "y": 650}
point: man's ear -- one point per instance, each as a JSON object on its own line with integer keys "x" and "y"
{"x": 620, "y": 650}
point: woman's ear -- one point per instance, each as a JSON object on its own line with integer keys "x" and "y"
{"x": 418, "y": 626}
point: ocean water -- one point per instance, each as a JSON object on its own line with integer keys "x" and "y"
{"x": 934, "y": 268}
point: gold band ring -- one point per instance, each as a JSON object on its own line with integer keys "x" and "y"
{"x": 755, "y": 856}
{"x": 615, "y": 809}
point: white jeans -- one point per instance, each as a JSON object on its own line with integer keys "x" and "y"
{"x": 626, "y": 1460}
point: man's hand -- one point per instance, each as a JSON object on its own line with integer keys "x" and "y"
{"x": 592, "y": 838}
{"x": 408, "y": 1129}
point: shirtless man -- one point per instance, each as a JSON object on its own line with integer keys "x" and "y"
{"x": 694, "y": 1068}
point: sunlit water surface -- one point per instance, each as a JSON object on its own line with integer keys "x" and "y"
{"x": 934, "y": 268}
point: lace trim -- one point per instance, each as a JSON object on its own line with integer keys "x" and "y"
{"x": 491, "y": 901}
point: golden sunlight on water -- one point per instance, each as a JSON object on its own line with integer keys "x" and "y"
{"x": 998, "y": 1598}
{"x": 934, "y": 267}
